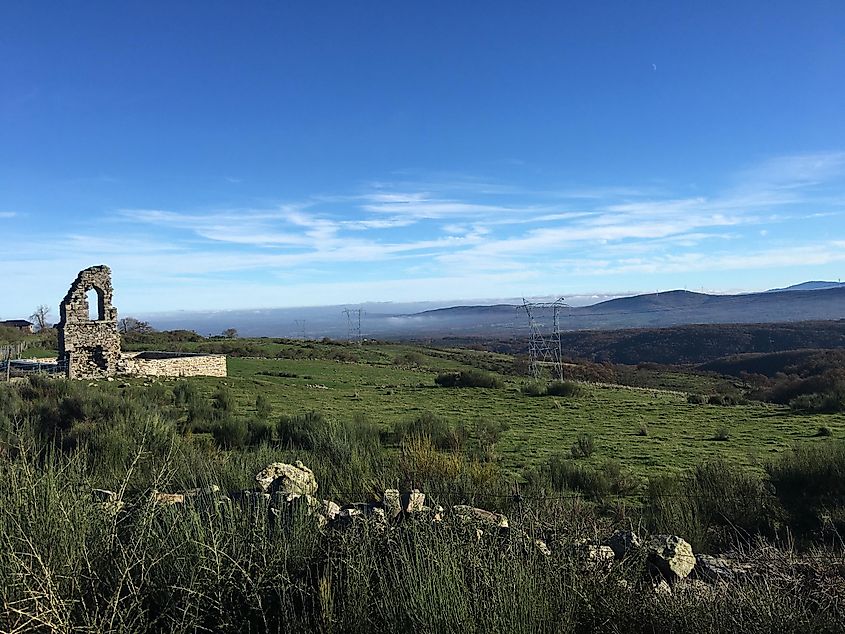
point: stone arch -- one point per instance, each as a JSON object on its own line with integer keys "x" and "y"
{"x": 90, "y": 348}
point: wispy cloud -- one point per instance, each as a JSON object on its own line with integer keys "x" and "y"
{"x": 408, "y": 235}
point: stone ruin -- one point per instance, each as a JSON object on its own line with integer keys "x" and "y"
{"x": 90, "y": 348}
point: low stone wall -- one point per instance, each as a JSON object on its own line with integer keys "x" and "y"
{"x": 173, "y": 364}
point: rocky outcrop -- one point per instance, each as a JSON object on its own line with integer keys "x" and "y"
{"x": 295, "y": 479}
{"x": 622, "y": 543}
{"x": 671, "y": 556}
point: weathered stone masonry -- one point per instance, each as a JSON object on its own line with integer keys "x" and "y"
{"x": 90, "y": 348}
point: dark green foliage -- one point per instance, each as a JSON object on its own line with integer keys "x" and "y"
{"x": 468, "y": 378}
{"x": 810, "y": 483}
{"x": 533, "y": 388}
{"x": 443, "y": 433}
{"x": 260, "y": 431}
{"x": 564, "y": 388}
{"x": 721, "y": 434}
{"x": 299, "y": 430}
{"x": 715, "y": 506}
{"x": 185, "y": 394}
{"x": 230, "y": 432}
{"x": 583, "y": 447}
{"x": 263, "y": 407}
{"x": 829, "y": 402}
{"x": 563, "y": 474}
{"x": 223, "y": 402}
{"x": 824, "y": 431}
{"x": 412, "y": 359}
{"x": 696, "y": 399}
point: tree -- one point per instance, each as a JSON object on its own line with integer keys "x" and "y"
{"x": 39, "y": 317}
{"x": 130, "y": 325}
{"x": 230, "y": 333}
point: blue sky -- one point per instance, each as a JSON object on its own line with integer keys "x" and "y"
{"x": 260, "y": 154}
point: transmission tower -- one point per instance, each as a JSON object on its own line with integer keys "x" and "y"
{"x": 299, "y": 325}
{"x": 353, "y": 323}
{"x": 544, "y": 345}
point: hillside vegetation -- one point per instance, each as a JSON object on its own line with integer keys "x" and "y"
{"x": 566, "y": 462}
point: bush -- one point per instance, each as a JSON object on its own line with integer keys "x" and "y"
{"x": 263, "y": 408}
{"x": 721, "y": 434}
{"x": 230, "y": 432}
{"x": 260, "y": 431}
{"x": 609, "y": 479}
{"x": 298, "y": 431}
{"x": 826, "y": 403}
{"x": 185, "y": 394}
{"x": 410, "y": 359}
{"x": 223, "y": 402}
{"x": 583, "y": 447}
{"x": 533, "y": 388}
{"x": 443, "y": 434}
{"x": 824, "y": 431}
{"x": 715, "y": 506}
{"x": 563, "y": 388}
{"x": 642, "y": 430}
{"x": 468, "y": 378}
{"x": 696, "y": 399}
{"x": 810, "y": 481}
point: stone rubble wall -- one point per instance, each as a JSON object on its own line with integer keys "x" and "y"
{"x": 174, "y": 366}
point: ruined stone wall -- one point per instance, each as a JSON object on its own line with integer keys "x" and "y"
{"x": 90, "y": 348}
{"x": 174, "y": 365}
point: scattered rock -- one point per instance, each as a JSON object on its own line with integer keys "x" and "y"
{"x": 108, "y": 501}
{"x": 392, "y": 503}
{"x": 622, "y": 543}
{"x": 470, "y": 513}
{"x": 280, "y": 476}
{"x": 671, "y": 556}
{"x": 593, "y": 554}
{"x": 413, "y": 502}
{"x": 168, "y": 499}
{"x": 714, "y": 568}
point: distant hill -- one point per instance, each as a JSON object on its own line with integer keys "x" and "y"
{"x": 809, "y": 286}
{"x": 654, "y": 310}
{"x": 390, "y": 321}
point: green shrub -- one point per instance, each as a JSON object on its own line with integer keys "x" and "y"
{"x": 824, "y": 431}
{"x": 230, "y": 432}
{"x": 263, "y": 408}
{"x": 410, "y": 359}
{"x": 185, "y": 394}
{"x": 583, "y": 447}
{"x": 533, "y": 388}
{"x": 443, "y": 433}
{"x": 564, "y": 388}
{"x": 468, "y": 378}
{"x": 714, "y": 506}
{"x": 223, "y": 402}
{"x": 696, "y": 399}
{"x": 824, "y": 403}
{"x": 298, "y": 431}
{"x": 721, "y": 434}
{"x": 809, "y": 481}
{"x": 642, "y": 430}
{"x": 260, "y": 431}
{"x": 609, "y": 479}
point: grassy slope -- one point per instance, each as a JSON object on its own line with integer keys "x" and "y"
{"x": 679, "y": 434}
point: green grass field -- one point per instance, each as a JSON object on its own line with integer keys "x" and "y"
{"x": 679, "y": 434}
